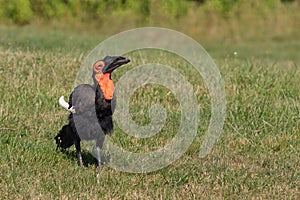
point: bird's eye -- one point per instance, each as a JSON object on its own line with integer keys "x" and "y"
{"x": 98, "y": 66}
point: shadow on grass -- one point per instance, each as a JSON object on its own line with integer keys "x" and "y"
{"x": 88, "y": 158}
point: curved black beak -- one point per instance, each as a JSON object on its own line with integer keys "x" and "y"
{"x": 113, "y": 62}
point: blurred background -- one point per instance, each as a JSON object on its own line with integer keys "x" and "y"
{"x": 204, "y": 20}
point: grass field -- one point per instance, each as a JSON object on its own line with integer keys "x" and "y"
{"x": 257, "y": 155}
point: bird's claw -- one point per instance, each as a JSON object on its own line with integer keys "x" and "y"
{"x": 72, "y": 110}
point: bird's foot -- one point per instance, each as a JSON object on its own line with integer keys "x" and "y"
{"x": 80, "y": 162}
{"x": 99, "y": 168}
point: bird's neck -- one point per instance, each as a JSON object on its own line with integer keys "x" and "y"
{"x": 106, "y": 85}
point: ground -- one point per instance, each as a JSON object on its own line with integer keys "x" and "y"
{"x": 257, "y": 155}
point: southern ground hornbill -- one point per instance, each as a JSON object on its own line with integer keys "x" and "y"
{"x": 91, "y": 109}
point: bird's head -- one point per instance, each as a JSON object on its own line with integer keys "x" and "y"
{"x": 102, "y": 70}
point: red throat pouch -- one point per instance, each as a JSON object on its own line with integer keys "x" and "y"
{"x": 106, "y": 85}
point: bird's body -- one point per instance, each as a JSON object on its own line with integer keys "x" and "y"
{"x": 91, "y": 109}
{"x": 85, "y": 121}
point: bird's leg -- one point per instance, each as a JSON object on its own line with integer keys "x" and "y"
{"x": 99, "y": 145}
{"x": 98, "y": 151}
{"x": 78, "y": 152}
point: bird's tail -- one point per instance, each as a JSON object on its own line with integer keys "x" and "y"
{"x": 65, "y": 104}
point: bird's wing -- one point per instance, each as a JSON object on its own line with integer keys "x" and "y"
{"x": 85, "y": 119}
{"x": 83, "y": 98}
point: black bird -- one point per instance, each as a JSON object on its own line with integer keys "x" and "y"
{"x": 91, "y": 109}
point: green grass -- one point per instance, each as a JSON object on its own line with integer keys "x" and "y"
{"x": 257, "y": 155}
